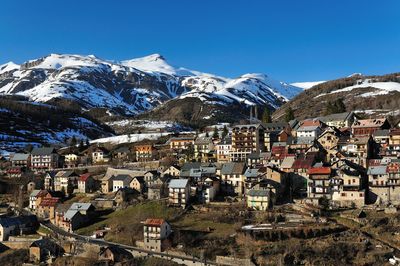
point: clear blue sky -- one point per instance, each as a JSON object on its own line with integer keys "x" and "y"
{"x": 289, "y": 40}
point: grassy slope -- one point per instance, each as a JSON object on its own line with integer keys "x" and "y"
{"x": 126, "y": 224}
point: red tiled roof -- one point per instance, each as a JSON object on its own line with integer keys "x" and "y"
{"x": 154, "y": 222}
{"x": 49, "y": 202}
{"x": 308, "y": 123}
{"x": 14, "y": 170}
{"x": 319, "y": 171}
{"x": 278, "y": 150}
{"x": 302, "y": 163}
{"x": 84, "y": 177}
{"x": 393, "y": 168}
{"x": 374, "y": 162}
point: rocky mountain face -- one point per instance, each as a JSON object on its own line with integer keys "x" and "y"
{"x": 366, "y": 95}
{"x": 135, "y": 86}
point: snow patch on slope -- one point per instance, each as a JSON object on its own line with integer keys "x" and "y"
{"x": 382, "y": 88}
{"x": 307, "y": 85}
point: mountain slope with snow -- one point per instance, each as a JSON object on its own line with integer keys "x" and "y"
{"x": 306, "y": 85}
{"x": 359, "y": 93}
{"x": 135, "y": 86}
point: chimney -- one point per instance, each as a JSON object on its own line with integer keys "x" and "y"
{"x": 251, "y": 113}
{"x": 256, "y": 113}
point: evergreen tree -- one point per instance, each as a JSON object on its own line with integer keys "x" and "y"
{"x": 340, "y": 106}
{"x": 289, "y": 114}
{"x": 225, "y": 132}
{"x": 81, "y": 144}
{"x": 87, "y": 143}
{"x": 215, "y": 133}
{"x": 335, "y": 107}
{"x": 29, "y": 148}
{"x": 266, "y": 117}
{"x": 73, "y": 141}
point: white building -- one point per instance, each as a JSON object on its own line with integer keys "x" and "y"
{"x": 179, "y": 192}
{"x": 155, "y": 231}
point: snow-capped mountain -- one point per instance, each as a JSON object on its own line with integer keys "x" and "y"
{"x": 133, "y": 86}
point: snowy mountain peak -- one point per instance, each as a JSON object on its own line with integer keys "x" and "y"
{"x": 8, "y": 67}
{"x": 156, "y": 63}
{"x": 134, "y": 86}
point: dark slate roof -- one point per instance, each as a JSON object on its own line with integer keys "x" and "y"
{"x": 258, "y": 192}
{"x": 382, "y": 133}
{"x": 225, "y": 141}
{"x": 122, "y": 150}
{"x": 336, "y": 117}
{"x": 121, "y": 177}
{"x": 188, "y": 166}
{"x": 43, "y": 151}
{"x": 235, "y": 168}
{"x": 18, "y": 220}
{"x": 277, "y": 126}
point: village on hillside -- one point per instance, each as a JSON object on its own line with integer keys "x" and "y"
{"x": 252, "y": 193}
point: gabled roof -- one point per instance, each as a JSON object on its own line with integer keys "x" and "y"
{"x": 377, "y": 170}
{"x": 192, "y": 165}
{"x": 319, "y": 171}
{"x": 258, "y": 192}
{"x": 38, "y": 193}
{"x": 288, "y": 162}
{"x": 48, "y": 245}
{"x": 233, "y": 168}
{"x": 84, "y": 177}
{"x": 307, "y": 128}
{"x": 65, "y": 173}
{"x": 100, "y": 149}
{"x": 123, "y": 149}
{"x": 122, "y": 178}
{"x": 34, "y": 192}
{"x": 43, "y": 151}
{"x": 382, "y": 133}
{"x": 70, "y": 214}
{"x": 80, "y": 206}
{"x": 20, "y": 157}
{"x": 251, "y": 172}
{"x": 374, "y": 122}
{"x": 178, "y": 183}
{"x": 17, "y": 220}
{"x": 49, "y": 202}
{"x": 174, "y": 166}
{"x": 303, "y": 163}
{"x": 336, "y": 117}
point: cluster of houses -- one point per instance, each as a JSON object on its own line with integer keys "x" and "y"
{"x": 340, "y": 159}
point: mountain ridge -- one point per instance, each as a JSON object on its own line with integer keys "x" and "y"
{"x": 134, "y": 86}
